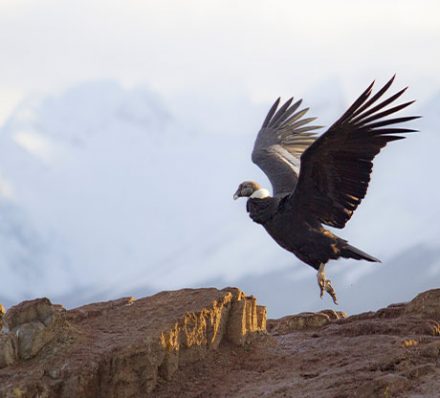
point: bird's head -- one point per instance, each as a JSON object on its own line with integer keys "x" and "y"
{"x": 250, "y": 189}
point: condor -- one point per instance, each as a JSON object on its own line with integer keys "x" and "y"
{"x": 319, "y": 180}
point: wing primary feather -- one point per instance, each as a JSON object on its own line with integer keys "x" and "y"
{"x": 395, "y": 130}
{"x": 386, "y": 112}
{"x": 271, "y": 112}
{"x": 301, "y": 139}
{"x": 289, "y": 112}
{"x": 298, "y": 115}
{"x": 383, "y": 104}
{"x": 281, "y": 141}
{"x": 356, "y": 104}
{"x": 307, "y": 128}
{"x": 302, "y": 122}
{"x": 375, "y": 97}
{"x": 390, "y": 138}
{"x": 391, "y": 121}
{"x": 279, "y": 116}
{"x": 336, "y": 167}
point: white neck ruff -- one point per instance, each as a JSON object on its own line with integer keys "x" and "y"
{"x": 260, "y": 194}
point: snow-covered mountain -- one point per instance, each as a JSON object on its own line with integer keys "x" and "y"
{"x": 107, "y": 191}
{"x": 101, "y": 186}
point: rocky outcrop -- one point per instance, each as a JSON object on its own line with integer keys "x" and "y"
{"x": 393, "y": 352}
{"x": 304, "y": 321}
{"x": 120, "y": 348}
{"x": 209, "y": 342}
{"x": 31, "y": 325}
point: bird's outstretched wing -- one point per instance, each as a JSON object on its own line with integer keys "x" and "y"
{"x": 284, "y": 136}
{"x": 336, "y": 168}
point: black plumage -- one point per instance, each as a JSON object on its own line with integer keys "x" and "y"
{"x": 319, "y": 180}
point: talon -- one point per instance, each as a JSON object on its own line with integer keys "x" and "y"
{"x": 321, "y": 283}
{"x": 325, "y": 285}
{"x": 329, "y": 289}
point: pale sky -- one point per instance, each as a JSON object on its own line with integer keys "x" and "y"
{"x": 261, "y": 48}
{"x": 216, "y": 63}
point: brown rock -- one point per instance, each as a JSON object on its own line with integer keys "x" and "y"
{"x": 431, "y": 350}
{"x": 32, "y": 310}
{"x": 35, "y": 323}
{"x": 2, "y": 314}
{"x": 425, "y": 305}
{"x": 334, "y": 315}
{"x": 390, "y": 385}
{"x": 31, "y": 339}
{"x": 122, "y": 348}
{"x": 209, "y": 343}
{"x": 8, "y": 350}
{"x": 388, "y": 353}
{"x": 97, "y": 309}
{"x": 305, "y": 320}
{"x": 244, "y": 318}
{"x": 261, "y": 317}
{"x": 419, "y": 371}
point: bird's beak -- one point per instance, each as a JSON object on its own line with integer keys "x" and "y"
{"x": 237, "y": 194}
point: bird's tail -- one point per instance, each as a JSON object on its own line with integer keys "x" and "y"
{"x": 349, "y": 251}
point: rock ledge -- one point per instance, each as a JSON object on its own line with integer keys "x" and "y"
{"x": 118, "y": 348}
{"x": 196, "y": 343}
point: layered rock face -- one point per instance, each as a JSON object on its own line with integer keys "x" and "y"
{"x": 393, "y": 352}
{"x": 215, "y": 343}
{"x": 119, "y": 348}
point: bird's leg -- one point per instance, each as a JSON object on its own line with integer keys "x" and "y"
{"x": 325, "y": 285}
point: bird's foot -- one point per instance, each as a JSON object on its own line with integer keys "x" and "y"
{"x": 325, "y": 285}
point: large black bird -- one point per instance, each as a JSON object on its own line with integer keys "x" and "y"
{"x": 319, "y": 180}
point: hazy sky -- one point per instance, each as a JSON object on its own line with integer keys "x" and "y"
{"x": 212, "y": 66}
{"x": 261, "y": 48}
